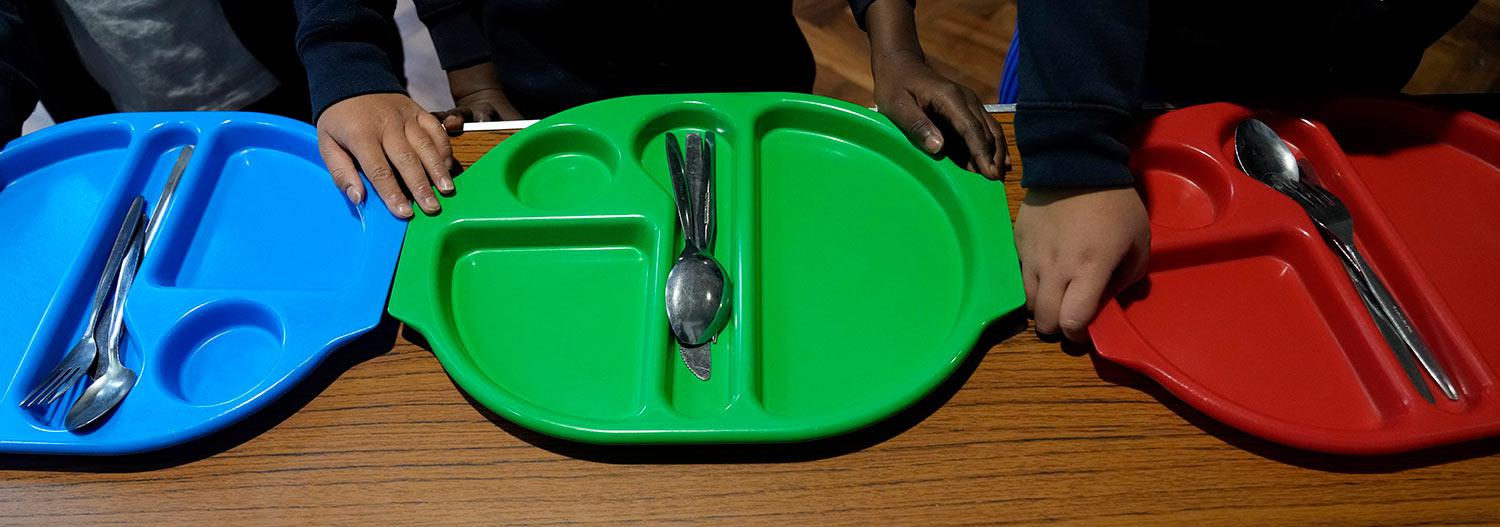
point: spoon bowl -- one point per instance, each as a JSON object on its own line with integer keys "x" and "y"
{"x": 1262, "y": 154}
{"x": 697, "y": 297}
{"x": 101, "y": 396}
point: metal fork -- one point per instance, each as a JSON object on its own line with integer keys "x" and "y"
{"x": 1331, "y": 216}
{"x": 81, "y": 357}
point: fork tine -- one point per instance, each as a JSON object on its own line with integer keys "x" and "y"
{"x": 42, "y": 389}
{"x": 1311, "y": 193}
{"x": 1327, "y": 194}
{"x": 45, "y": 390}
{"x": 1327, "y": 197}
{"x": 67, "y": 384}
{"x": 58, "y": 386}
{"x": 26, "y": 402}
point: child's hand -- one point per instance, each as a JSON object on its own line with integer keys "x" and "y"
{"x": 383, "y": 130}
{"x": 909, "y": 92}
{"x": 477, "y": 97}
{"x": 1077, "y": 245}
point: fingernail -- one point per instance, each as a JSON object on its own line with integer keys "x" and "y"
{"x": 403, "y": 210}
{"x": 445, "y": 184}
{"x": 932, "y": 143}
{"x": 353, "y": 193}
{"x": 431, "y": 203}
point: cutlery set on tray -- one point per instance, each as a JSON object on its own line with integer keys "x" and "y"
{"x": 697, "y": 288}
{"x": 110, "y": 380}
{"x": 1263, "y": 155}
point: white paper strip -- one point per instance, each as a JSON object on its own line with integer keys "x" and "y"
{"x": 498, "y": 126}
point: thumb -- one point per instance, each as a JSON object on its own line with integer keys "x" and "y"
{"x": 914, "y": 122}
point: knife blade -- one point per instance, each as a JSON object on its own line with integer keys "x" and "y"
{"x": 698, "y": 359}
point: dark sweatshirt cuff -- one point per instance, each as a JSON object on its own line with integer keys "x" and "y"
{"x": 1076, "y": 146}
{"x": 456, "y": 35}
{"x": 862, "y": 8}
{"x": 340, "y": 70}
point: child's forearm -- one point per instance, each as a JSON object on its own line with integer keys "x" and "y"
{"x": 893, "y": 31}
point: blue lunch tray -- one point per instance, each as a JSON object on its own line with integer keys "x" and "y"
{"x": 262, "y": 268}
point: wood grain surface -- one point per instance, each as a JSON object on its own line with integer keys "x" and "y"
{"x": 1027, "y": 432}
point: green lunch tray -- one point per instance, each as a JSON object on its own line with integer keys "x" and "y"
{"x": 864, "y": 272}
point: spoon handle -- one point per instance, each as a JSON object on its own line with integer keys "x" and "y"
{"x": 112, "y": 264}
{"x": 679, "y": 186}
{"x": 708, "y": 211}
{"x": 116, "y": 320}
{"x": 1412, "y": 340}
{"x": 1383, "y": 322}
{"x": 696, "y": 192}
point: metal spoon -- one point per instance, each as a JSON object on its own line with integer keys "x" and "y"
{"x": 1262, "y": 154}
{"x": 697, "y": 289}
{"x": 115, "y": 380}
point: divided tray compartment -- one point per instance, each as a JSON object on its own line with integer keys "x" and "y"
{"x": 1248, "y": 316}
{"x": 260, "y": 269}
{"x": 863, "y": 272}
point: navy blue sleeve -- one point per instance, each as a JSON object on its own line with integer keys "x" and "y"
{"x": 1080, "y": 67}
{"x": 339, "y": 42}
{"x": 18, "y": 93}
{"x": 456, "y": 33}
{"x": 862, "y": 8}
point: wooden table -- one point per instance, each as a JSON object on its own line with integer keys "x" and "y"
{"x": 1026, "y": 433}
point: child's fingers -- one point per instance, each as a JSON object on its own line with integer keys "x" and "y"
{"x": 1080, "y": 302}
{"x": 341, "y": 168}
{"x": 1132, "y": 269}
{"x": 439, "y": 137}
{"x": 981, "y": 148}
{"x": 505, "y": 111}
{"x": 1049, "y": 294}
{"x": 409, "y": 165}
{"x": 485, "y": 112}
{"x": 450, "y": 121}
{"x": 1001, "y": 157}
{"x": 377, "y": 169}
{"x": 993, "y": 137}
{"x": 912, "y": 120}
{"x": 435, "y": 163}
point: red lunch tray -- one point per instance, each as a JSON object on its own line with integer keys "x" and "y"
{"x": 1245, "y": 313}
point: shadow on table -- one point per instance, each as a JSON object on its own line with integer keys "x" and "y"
{"x": 996, "y": 332}
{"x": 1348, "y": 464}
{"x": 372, "y": 344}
